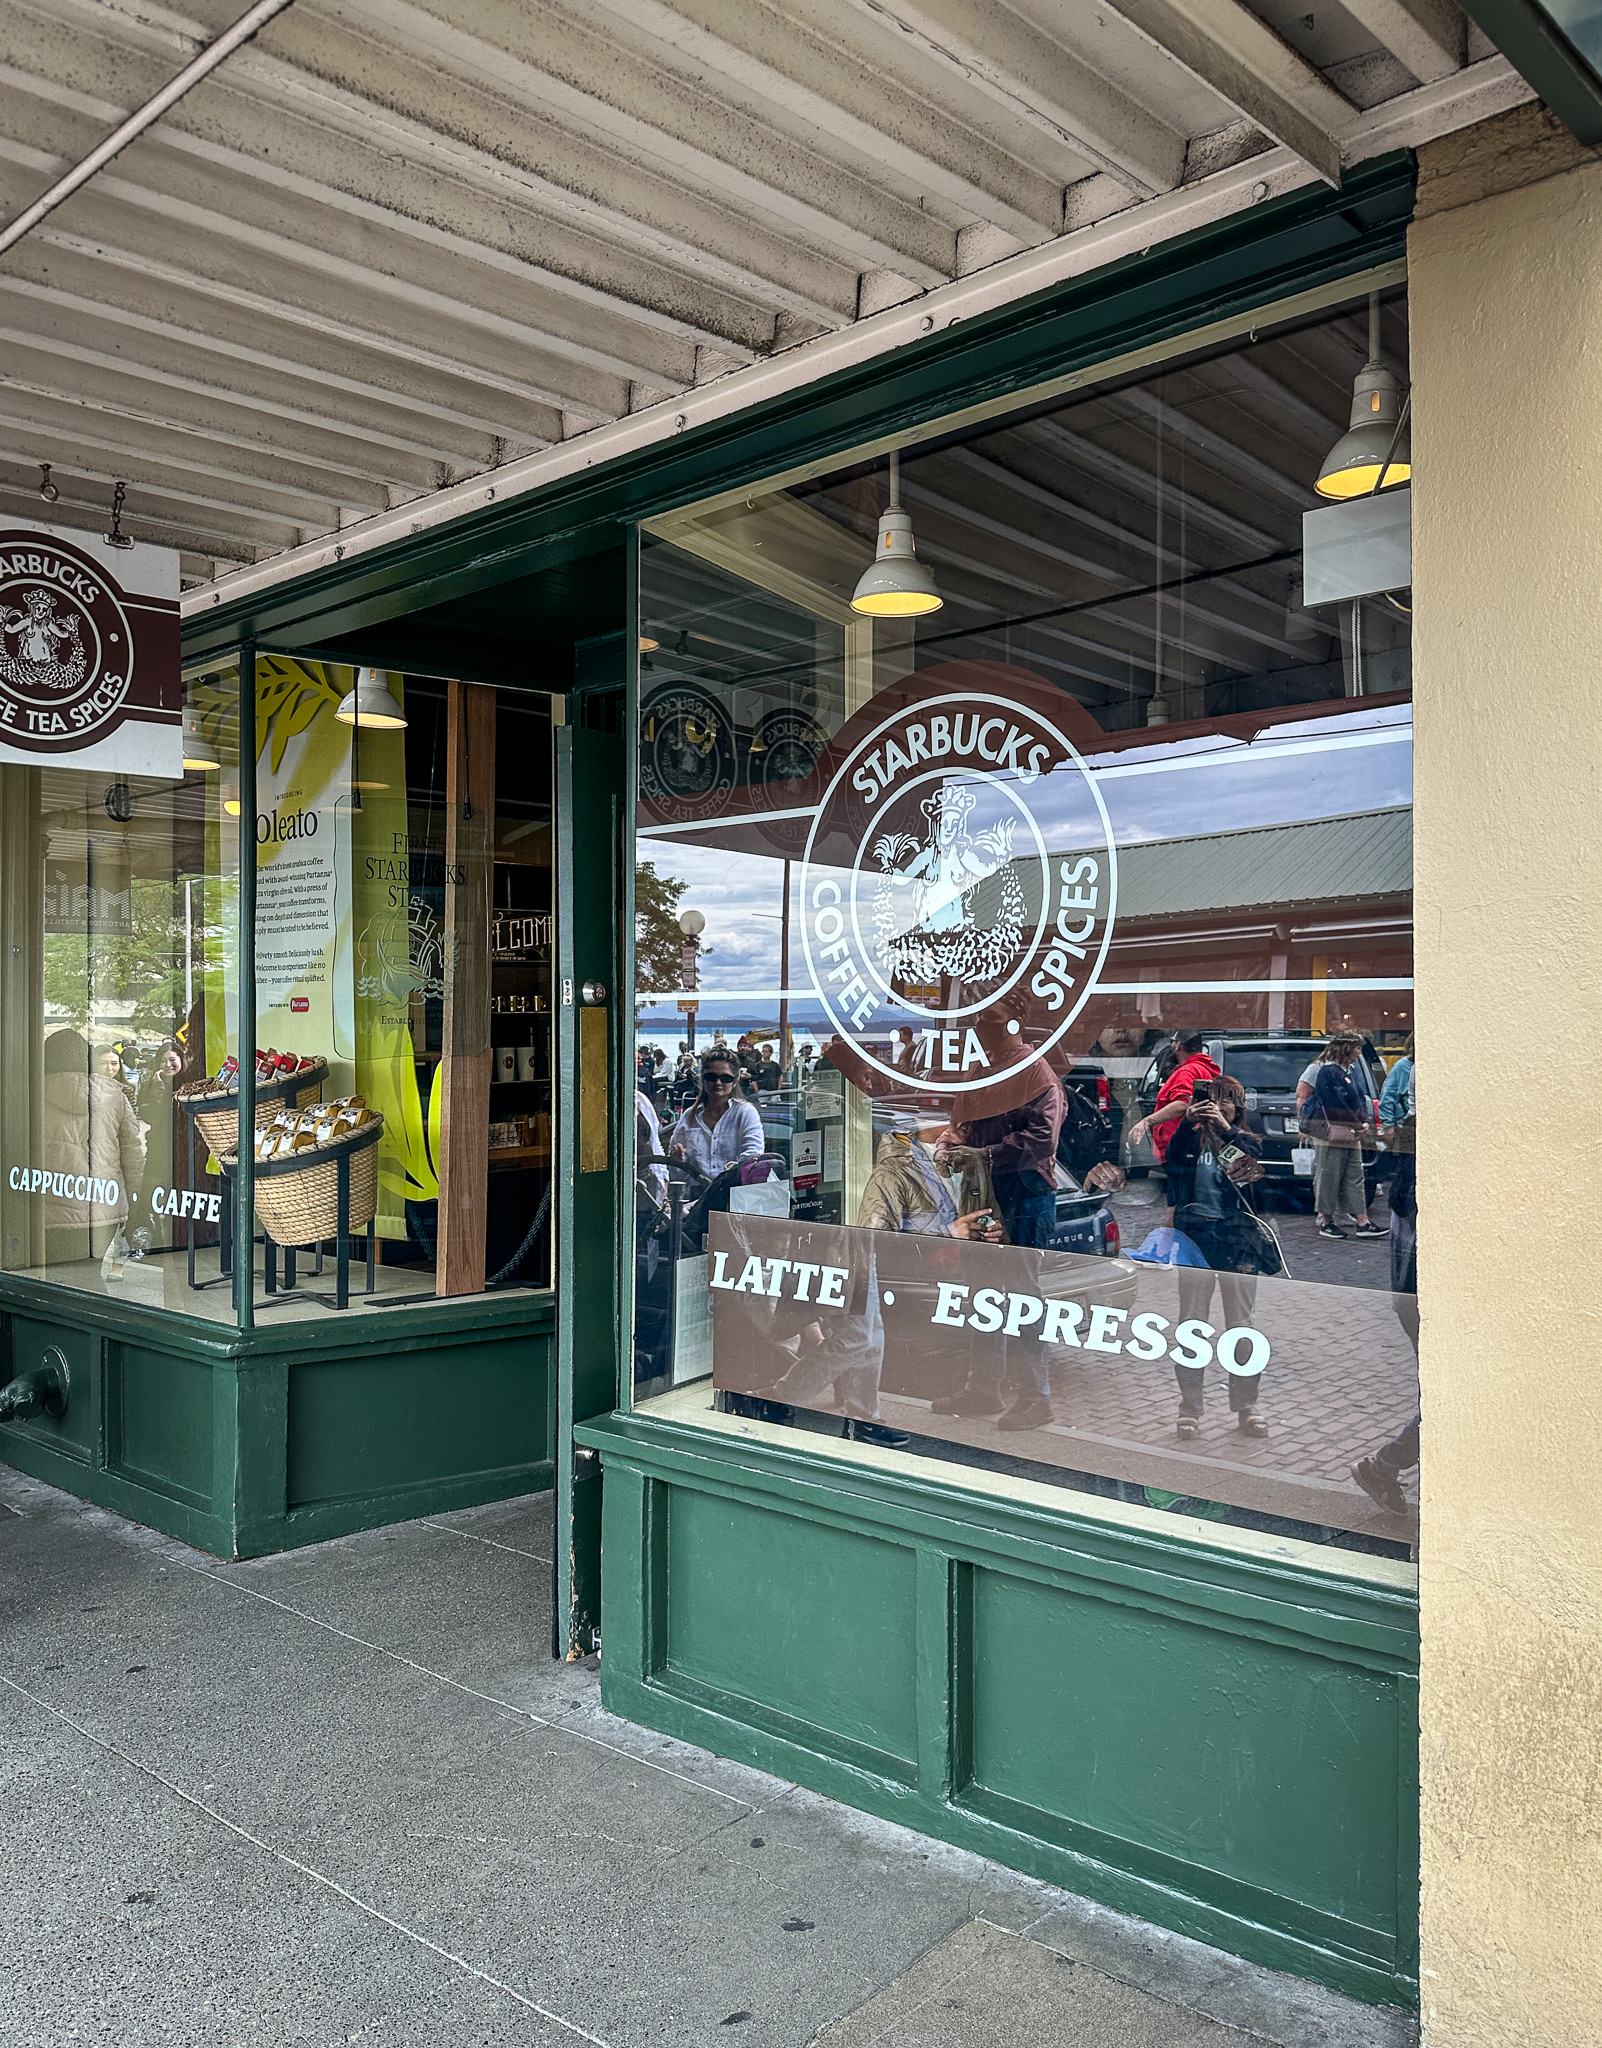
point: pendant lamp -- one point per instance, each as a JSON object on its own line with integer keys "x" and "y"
{"x": 370, "y": 704}
{"x": 200, "y": 756}
{"x": 1375, "y": 451}
{"x": 896, "y": 585}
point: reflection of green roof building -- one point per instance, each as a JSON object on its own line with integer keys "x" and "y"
{"x": 1277, "y": 903}
{"x": 1361, "y": 861}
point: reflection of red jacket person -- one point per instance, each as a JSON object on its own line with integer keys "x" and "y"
{"x": 1179, "y": 1087}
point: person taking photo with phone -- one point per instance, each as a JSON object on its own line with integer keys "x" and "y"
{"x": 1212, "y": 1159}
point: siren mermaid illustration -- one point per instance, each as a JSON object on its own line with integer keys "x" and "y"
{"x": 49, "y": 654}
{"x": 934, "y": 931}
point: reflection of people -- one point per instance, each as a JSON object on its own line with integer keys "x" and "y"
{"x": 648, "y": 1139}
{"x": 1380, "y": 1475}
{"x": 112, "y": 1069}
{"x": 1211, "y": 1156}
{"x": 1337, "y": 1116}
{"x": 1118, "y": 1041}
{"x": 651, "y": 1220}
{"x": 1020, "y": 1148}
{"x": 718, "y": 1130}
{"x": 1393, "y": 1104}
{"x": 155, "y": 1114}
{"x": 1194, "y": 1064}
{"x": 907, "y": 1191}
{"x": 91, "y": 1132}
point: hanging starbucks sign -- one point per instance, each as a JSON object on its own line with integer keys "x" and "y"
{"x": 89, "y": 664}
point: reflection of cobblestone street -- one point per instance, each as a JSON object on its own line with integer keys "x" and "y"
{"x": 1342, "y": 1379}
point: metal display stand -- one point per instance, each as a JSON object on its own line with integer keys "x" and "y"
{"x": 194, "y": 1107}
{"x": 268, "y": 1170}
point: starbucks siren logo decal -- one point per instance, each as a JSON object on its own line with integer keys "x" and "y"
{"x": 687, "y": 756}
{"x": 960, "y": 875}
{"x": 66, "y": 647}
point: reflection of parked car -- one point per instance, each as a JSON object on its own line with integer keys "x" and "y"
{"x": 1084, "y": 1222}
{"x": 1093, "y": 1118}
{"x": 1268, "y": 1068}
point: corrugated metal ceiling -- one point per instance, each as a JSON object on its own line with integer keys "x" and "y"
{"x": 389, "y": 246}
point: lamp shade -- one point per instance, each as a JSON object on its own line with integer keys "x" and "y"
{"x": 200, "y": 756}
{"x": 896, "y": 585}
{"x": 371, "y": 704}
{"x": 1372, "y": 445}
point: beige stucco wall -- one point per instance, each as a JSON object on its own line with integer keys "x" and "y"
{"x": 1506, "y": 302}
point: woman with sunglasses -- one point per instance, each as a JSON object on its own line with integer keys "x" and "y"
{"x": 720, "y": 1129}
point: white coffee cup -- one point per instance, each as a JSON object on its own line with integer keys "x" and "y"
{"x": 525, "y": 1063}
{"x": 506, "y": 1063}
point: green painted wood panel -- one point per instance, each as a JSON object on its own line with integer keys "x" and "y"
{"x": 814, "y": 1622}
{"x": 159, "y": 1409}
{"x": 185, "y": 1425}
{"x": 371, "y": 1426}
{"x": 75, "y": 1434}
{"x": 1168, "y": 1746}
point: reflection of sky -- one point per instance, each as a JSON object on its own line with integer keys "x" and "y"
{"x": 1174, "y": 792}
{"x": 1271, "y": 786}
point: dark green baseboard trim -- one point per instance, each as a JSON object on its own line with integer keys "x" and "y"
{"x": 200, "y": 1527}
{"x": 667, "y": 1709}
{"x": 757, "y": 1600}
{"x": 402, "y": 1504}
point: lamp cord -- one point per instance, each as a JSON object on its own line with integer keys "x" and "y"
{"x": 1396, "y": 442}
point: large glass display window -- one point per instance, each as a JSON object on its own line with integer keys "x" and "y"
{"x": 119, "y": 900}
{"x": 1024, "y": 944}
{"x": 400, "y": 977}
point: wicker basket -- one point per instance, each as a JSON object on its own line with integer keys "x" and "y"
{"x": 297, "y": 1199}
{"x": 216, "y": 1110}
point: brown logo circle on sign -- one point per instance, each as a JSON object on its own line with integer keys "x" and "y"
{"x": 66, "y": 646}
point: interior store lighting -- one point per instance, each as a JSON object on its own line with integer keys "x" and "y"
{"x": 200, "y": 756}
{"x": 371, "y": 704}
{"x": 1376, "y": 449}
{"x": 896, "y": 585}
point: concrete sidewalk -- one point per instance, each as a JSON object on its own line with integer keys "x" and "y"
{"x": 343, "y": 1796}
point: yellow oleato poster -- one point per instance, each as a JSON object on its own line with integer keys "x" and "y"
{"x": 333, "y": 966}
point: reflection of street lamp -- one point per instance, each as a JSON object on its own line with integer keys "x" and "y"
{"x": 692, "y": 924}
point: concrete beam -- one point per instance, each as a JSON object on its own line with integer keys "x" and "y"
{"x": 1429, "y": 36}
{"x": 1237, "y": 55}
{"x": 1042, "y": 85}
